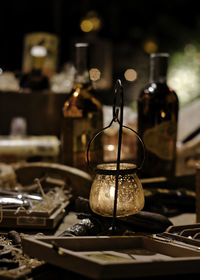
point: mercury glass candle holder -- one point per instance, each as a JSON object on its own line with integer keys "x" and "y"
{"x": 130, "y": 199}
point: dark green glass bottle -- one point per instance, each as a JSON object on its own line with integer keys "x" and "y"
{"x": 157, "y": 121}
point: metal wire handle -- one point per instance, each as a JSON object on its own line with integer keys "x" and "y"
{"x": 118, "y": 90}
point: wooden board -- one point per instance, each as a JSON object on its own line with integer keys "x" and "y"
{"x": 106, "y": 257}
{"x": 197, "y": 188}
{"x": 78, "y": 181}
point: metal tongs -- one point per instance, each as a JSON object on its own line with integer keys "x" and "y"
{"x": 13, "y": 199}
{"x": 11, "y": 202}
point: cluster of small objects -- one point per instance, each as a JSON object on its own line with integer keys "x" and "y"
{"x": 12, "y": 260}
{"x": 51, "y": 200}
{"x": 91, "y": 224}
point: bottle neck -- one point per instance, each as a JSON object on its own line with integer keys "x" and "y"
{"x": 82, "y": 73}
{"x": 158, "y": 68}
{"x": 37, "y": 63}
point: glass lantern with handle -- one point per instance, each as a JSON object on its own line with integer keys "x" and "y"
{"x": 116, "y": 190}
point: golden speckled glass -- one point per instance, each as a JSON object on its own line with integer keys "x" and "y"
{"x": 130, "y": 192}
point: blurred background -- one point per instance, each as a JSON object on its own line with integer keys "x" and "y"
{"x": 128, "y": 31}
{"x": 122, "y": 34}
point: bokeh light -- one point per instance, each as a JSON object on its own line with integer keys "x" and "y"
{"x": 86, "y": 25}
{"x": 95, "y": 74}
{"x": 130, "y": 75}
{"x": 150, "y": 46}
{"x": 38, "y": 51}
{"x": 184, "y": 73}
{"x": 91, "y": 22}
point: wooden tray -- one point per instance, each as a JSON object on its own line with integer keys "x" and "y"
{"x": 76, "y": 180}
{"x": 180, "y": 230}
{"x": 106, "y": 257}
{"x": 184, "y": 234}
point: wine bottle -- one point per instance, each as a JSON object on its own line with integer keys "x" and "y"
{"x": 157, "y": 121}
{"x": 82, "y": 116}
{"x": 35, "y": 80}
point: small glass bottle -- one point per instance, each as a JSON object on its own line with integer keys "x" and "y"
{"x": 82, "y": 116}
{"x": 157, "y": 121}
{"x": 35, "y": 80}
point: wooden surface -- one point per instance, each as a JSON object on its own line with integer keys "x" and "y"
{"x": 114, "y": 257}
{"x": 198, "y": 194}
